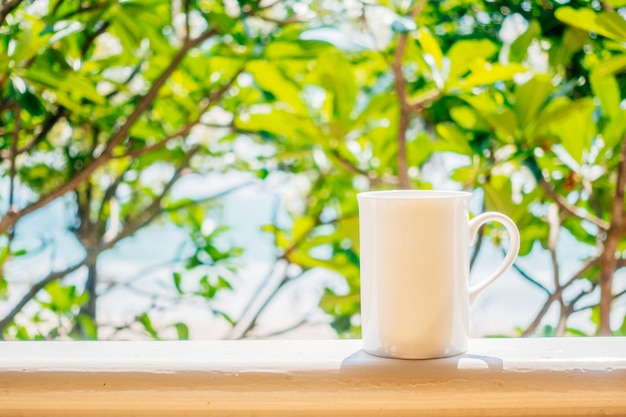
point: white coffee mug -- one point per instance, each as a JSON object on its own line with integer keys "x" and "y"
{"x": 415, "y": 251}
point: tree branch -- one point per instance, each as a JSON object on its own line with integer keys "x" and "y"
{"x": 304, "y": 320}
{"x": 405, "y": 107}
{"x": 154, "y": 209}
{"x": 212, "y": 100}
{"x": 403, "y": 118}
{"x": 608, "y": 261}
{"x": 353, "y": 168}
{"x": 556, "y": 294}
{"x": 92, "y": 37}
{"x": 12, "y": 217}
{"x": 177, "y": 206}
{"x": 46, "y": 127}
{"x": 7, "y": 8}
{"x": 528, "y": 278}
{"x": 572, "y": 210}
{"x": 32, "y": 292}
{"x": 109, "y": 193}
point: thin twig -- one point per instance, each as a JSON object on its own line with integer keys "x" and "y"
{"x": 178, "y": 206}
{"x": 374, "y": 180}
{"x": 572, "y": 210}
{"x": 619, "y": 294}
{"x": 572, "y": 303}
{"x": 304, "y": 320}
{"x": 53, "y": 276}
{"x": 151, "y": 212}
{"x": 92, "y": 37}
{"x": 185, "y": 130}
{"x": 554, "y": 224}
{"x": 557, "y": 293}
{"x": 109, "y": 193}
{"x": 530, "y": 279}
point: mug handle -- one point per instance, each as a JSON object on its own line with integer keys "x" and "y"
{"x": 514, "y": 243}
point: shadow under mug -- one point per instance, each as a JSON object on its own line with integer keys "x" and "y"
{"x": 415, "y": 251}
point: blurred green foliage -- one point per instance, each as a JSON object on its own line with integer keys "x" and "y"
{"x": 527, "y": 97}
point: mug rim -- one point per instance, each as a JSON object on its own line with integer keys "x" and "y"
{"x": 413, "y": 194}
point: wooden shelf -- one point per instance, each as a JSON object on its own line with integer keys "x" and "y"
{"x": 497, "y": 377}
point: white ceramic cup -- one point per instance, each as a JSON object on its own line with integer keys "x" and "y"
{"x": 415, "y": 251}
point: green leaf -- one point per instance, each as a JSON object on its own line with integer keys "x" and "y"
{"x": 453, "y": 139}
{"x": 574, "y": 126}
{"x": 614, "y": 130}
{"x": 226, "y": 317}
{"x": 612, "y": 66}
{"x": 468, "y": 118}
{"x": 486, "y": 73}
{"x": 88, "y": 326}
{"x": 519, "y": 48}
{"x": 27, "y": 100}
{"x": 145, "y": 321}
{"x": 280, "y": 123}
{"x": 609, "y": 24}
{"x": 342, "y": 324}
{"x": 177, "y": 277}
{"x": 570, "y": 331}
{"x": 30, "y": 39}
{"x": 595, "y": 315}
{"x": 4, "y": 286}
{"x": 336, "y": 76}
{"x": 61, "y": 298}
{"x": 530, "y": 234}
{"x": 182, "y": 330}
{"x": 221, "y": 21}
{"x": 498, "y": 196}
{"x": 531, "y": 96}
{"x": 338, "y": 304}
{"x": 70, "y": 83}
{"x": 223, "y": 284}
{"x": 504, "y": 123}
{"x": 420, "y": 149}
{"x": 302, "y": 227}
{"x": 572, "y": 41}
{"x": 279, "y": 49}
{"x": 463, "y": 55}
{"x": 430, "y": 46}
{"x": 270, "y": 78}
{"x": 607, "y": 91}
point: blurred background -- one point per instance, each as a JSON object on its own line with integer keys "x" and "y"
{"x": 187, "y": 169}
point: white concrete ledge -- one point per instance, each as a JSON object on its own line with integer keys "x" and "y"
{"x": 497, "y": 377}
